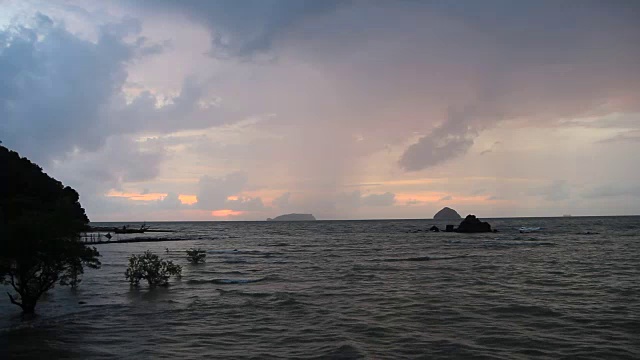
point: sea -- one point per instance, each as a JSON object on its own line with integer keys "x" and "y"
{"x": 379, "y": 289}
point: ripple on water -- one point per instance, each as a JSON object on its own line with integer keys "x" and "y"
{"x": 354, "y": 290}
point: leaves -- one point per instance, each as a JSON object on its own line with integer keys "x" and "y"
{"x": 40, "y": 226}
{"x": 196, "y": 256}
{"x": 151, "y": 267}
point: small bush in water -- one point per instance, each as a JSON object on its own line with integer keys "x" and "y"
{"x": 152, "y": 268}
{"x": 196, "y": 256}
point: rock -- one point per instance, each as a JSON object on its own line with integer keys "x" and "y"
{"x": 447, "y": 214}
{"x": 434, "y": 229}
{"x": 293, "y": 217}
{"x": 449, "y": 228}
{"x": 471, "y": 224}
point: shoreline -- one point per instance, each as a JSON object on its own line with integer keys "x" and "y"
{"x": 135, "y": 240}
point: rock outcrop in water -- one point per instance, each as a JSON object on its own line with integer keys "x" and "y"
{"x": 293, "y": 217}
{"x": 471, "y": 224}
{"x": 447, "y": 214}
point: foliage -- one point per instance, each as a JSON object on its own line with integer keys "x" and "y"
{"x": 40, "y": 225}
{"x": 152, "y": 268}
{"x": 196, "y": 256}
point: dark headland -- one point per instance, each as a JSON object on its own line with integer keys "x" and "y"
{"x": 293, "y": 217}
{"x": 447, "y": 214}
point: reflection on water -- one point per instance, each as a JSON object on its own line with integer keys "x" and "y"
{"x": 362, "y": 289}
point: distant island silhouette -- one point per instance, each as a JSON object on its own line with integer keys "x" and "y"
{"x": 447, "y": 214}
{"x": 293, "y": 217}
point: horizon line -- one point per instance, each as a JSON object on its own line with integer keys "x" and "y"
{"x": 380, "y": 219}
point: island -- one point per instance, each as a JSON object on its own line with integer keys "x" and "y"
{"x": 293, "y": 217}
{"x": 447, "y": 214}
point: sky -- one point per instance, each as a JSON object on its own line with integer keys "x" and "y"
{"x": 242, "y": 110}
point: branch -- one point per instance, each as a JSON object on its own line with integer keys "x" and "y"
{"x": 13, "y": 301}
{"x": 13, "y": 284}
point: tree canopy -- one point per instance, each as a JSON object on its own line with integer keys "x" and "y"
{"x": 40, "y": 225}
{"x": 151, "y": 267}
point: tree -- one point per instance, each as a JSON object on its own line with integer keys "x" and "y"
{"x": 151, "y": 267}
{"x": 196, "y": 256}
{"x": 40, "y": 225}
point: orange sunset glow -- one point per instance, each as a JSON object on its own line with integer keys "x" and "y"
{"x": 226, "y": 213}
{"x": 188, "y": 199}
{"x": 137, "y": 196}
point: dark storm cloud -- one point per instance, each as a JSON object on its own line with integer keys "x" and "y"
{"x": 244, "y": 28}
{"x": 54, "y": 90}
{"x": 61, "y": 93}
{"x": 450, "y": 139}
{"x": 121, "y": 160}
{"x": 552, "y": 60}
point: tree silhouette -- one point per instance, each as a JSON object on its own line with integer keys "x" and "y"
{"x": 152, "y": 268}
{"x": 40, "y": 225}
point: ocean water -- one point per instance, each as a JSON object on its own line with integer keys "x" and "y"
{"x": 354, "y": 289}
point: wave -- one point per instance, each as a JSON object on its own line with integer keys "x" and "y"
{"x": 243, "y": 252}
{"x": 225, "y": 281}
{"x": 237, "y": 281}
{"x": 361, "y": 267}
{"x": 234, "y": 261}
{"x": 244, "y": 293}
{"x": 422, "y": 258}
{"x": 233, "y": 251}
{"x": 527, "y": 242}
{"x": 345, "y": 351}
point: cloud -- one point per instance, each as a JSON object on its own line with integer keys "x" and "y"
{"x": 171, "y": 202}
{"x": 555, "y": 191}
{"x": 245, "y": 28}
{"x": 389, "y": 89}
{"x": 121, "y": 160}
{"x": 631, "y": 136}
{"x": 451, "y": 139}
{"x": 490, "y": 149}
{"x": 386, "y": 199}
{"x": 55, "y": 81}
{"x": 355, "y": 199}
{"x": 245, "y": 204}
{"x": 611, "y": 190}
{"x": 446, "y": 198}
{"x": 62, "y": 93}
{"x": 222, "y": 193}
{"x": 282, "y": 201}
{"x": 213, "y": 192}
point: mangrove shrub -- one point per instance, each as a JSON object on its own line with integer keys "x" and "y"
{"x": 152, "y": 268}
{"x": 196, "y": 256}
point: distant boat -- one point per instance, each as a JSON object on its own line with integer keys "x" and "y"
{"x": 525, "y": 229}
